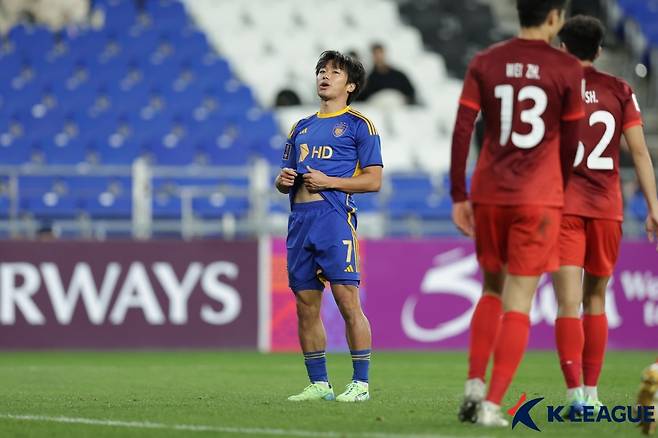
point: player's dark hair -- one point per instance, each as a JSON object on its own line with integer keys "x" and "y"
{"x": 533, "y": 13}
{"x": 356, "y": 74}
{"x": 583, "y": 36}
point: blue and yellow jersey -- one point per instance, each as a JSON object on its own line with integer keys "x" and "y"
{"x": 338, "y": 144}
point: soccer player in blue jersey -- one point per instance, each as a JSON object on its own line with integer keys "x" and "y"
{"x": 329, "y": 156}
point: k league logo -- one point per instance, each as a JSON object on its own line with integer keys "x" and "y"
{"x": 521, "y": 413}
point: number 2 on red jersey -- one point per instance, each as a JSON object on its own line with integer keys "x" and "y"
{"x": 595, "y": 161}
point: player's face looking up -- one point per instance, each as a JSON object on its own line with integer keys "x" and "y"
{"x": 332, "y": 83}
{"x": 339, "y": 78}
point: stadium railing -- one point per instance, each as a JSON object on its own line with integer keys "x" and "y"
{"x": 198, "y": 201}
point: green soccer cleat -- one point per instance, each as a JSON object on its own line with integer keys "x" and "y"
{"x": 589, "y": 401}
{"x": 314, "y": 391}
{"x": 576, "y": 402}
{"x": 354, "y": 392}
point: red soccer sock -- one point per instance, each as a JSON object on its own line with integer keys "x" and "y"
{"x": 510, "y": 346}
{"x": 596, "y": 338}
{"x": 570, "y": 340}
{"x": 484, "y": 330}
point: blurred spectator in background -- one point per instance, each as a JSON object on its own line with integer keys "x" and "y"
{"x": 354, "y": 55}
{"x": 56, "y": 14}
{"x": 45, "y": 233}
{"x": 384, "y": 77}
{"x": 287, "y": 97}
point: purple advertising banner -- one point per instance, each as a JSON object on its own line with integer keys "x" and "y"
{"x": 421, "y": 295}
{"x": 166, "y": 294}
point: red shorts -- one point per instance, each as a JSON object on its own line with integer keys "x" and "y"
{"x": 592, "y": 244}
{"x": 523, "y": 238}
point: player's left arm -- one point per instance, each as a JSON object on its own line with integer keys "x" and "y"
{"x": 632, "y": 129}
{"x": 645, "y": 174}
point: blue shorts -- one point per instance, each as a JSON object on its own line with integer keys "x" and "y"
{"x": 321, "y": 246}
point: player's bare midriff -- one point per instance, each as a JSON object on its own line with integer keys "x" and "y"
{"x": 303, "y": 195}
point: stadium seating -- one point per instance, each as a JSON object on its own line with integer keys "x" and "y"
{"x": 454, "y": 28}
{"x": 635, "y": 21}
{"x": 412, "y": 137}
{"x": 145, "y": 84}
{"x": 193, "y": 90}
{"x": 150, "y": 83}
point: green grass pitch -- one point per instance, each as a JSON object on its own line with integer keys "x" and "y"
{"x": 149, "y": 394}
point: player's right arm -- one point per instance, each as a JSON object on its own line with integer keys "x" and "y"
{"x": 285, "y": 180}
{"x": 645, "y": 175}
{"x": 469, "y": 107}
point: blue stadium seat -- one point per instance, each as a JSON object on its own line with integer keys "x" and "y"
{"x": 138, "y": 44}
{"x": 166, "y": 206}
{"x": 119, "y": 15}
{"x": 50, "y": 205}
{"x": 127, "y": 99}
{"x": 638, "y": 207}
{"x": 414, "y": 183}
{"x": 225, "y": 150}
{"x": 191, "y": 43}
{"x": 212, "y": 71}
{"x": 87, "y": 45}
{"x": 23, "y": 97}
{"x": 103, "y": 197}
{"x": 36, "y": 185}
{"x": 169, "y": 14}
{"x": 170, "y": 149}
{"x": 15, "y": 145}
{"x": 259, "y": 127}
{"x": 120, "y": 92}
{"x": 184, "y": 97}
{"x": 112, "y": 147}
{"x": 423, "y": 206}
{"x": 31, "y": 41}
{"x": 61, "y": 149}
{"x": 44, "y": 122}
{"x": 10, "y": 66}
{"x": 217, "y": 205}
{"x": 436, "y": 208}
{"x": 83, "y": 186}
{"x": 237, "y": 99}
{"x": 367, "y": 202}
{"x": 107, "y": 205}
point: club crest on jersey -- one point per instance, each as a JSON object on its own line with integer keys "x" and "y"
{"x": 339, "y": 129}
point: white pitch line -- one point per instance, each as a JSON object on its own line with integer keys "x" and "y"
{"x": 208, "y": 428}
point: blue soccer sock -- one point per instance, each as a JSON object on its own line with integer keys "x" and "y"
{"x": 316, "y": 366}
{"x": 361, "y": 364}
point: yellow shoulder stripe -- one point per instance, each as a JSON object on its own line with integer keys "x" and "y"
{"x": 371, "y": 126}
{"x": 293, "y": 129}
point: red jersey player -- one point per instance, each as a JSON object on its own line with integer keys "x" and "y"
{"x": 593, "y": 213}
{"x": 530, "y": 97}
